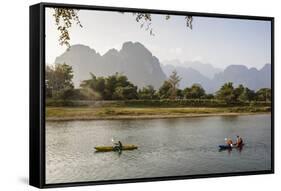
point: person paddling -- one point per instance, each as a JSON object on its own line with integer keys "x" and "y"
{"x": 239, "y": 141}
{"x": 118, "y": 146}
{"x": 229, "y": 142}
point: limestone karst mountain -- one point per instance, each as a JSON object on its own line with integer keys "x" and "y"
{"x": 133, "y": 60}
{"x": 142, "y": 68}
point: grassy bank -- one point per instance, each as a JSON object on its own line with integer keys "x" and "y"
{"x": 94, "y": 113}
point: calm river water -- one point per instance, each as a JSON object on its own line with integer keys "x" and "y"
{"x": 167, "y": 147}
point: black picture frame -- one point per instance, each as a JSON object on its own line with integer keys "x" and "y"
{"x": 37, "y": 94}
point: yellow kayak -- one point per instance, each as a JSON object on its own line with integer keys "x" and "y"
{"x": 111, "y": 148}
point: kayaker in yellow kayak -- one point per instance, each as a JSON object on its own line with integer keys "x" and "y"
{"x": 118, "y": 146}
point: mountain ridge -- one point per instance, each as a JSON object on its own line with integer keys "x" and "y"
{"x": 142, "y": 68}
{"x": 132, "y": 59}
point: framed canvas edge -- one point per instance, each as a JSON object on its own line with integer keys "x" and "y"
{"x": 35, "y": 100}
{"x": 34, "y": 90}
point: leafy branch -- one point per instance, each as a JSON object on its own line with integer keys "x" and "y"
{"x": 145, "y": 20}
{"x": 64, "y": 19}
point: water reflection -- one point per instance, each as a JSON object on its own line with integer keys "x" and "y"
{"x": 235, "y": 149}
{"x": 166, "y": 147}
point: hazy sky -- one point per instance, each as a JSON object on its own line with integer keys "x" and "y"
{"x": 220, "y": 42}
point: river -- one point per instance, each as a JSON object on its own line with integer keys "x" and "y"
{"x": 167, "y": 147}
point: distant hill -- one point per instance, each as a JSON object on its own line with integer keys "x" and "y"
{"x": 240, "y": 74}
{"x": 142, "y": 68}
{"x": 189, "y": 76}
{"x": 133, "y": 60}
{"x": 205, "y": 69}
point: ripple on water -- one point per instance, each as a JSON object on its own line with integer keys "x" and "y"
{"x": 167, "y": 147}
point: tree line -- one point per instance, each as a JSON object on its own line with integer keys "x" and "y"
{"x": 59, "y": 86}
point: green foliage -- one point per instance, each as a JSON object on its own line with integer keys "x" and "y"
{"x": 58, "y": 79}
{"x": 187, "y": 103}
{"x": 60, "y": 89}
{"x": 125, "y": 93}
{"x": 155, "y": 103}
{"x": 196, "y": 91}
{"x": 174, "y": 80}
{"x": 110, "y": 86}
{"x": 90, "y": 94}
{"x": 169, "y": 89}
{"x": 226, "y": 93}
{"x": 180, "y": 94}
{"x": 64, "y": 103}
{"x": 238, "y": 92}
{"x": 165, "y": 90}
{"x": 247, "y": 95}
{"x": 114, "y": 87}
{"x": 263, "y": 94}
{"x": 147, "y": 92}
{"x": 70, "y": 94}
{"x": 93, "y": 88}
{"x": 208, "y": 96}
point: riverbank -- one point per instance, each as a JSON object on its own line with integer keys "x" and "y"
{"x": 113, "y": 113}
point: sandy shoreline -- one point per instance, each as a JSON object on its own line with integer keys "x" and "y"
{"x": 127, "y": 117}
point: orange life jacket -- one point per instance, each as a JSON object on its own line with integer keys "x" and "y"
{"x": 229, "y": 142}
